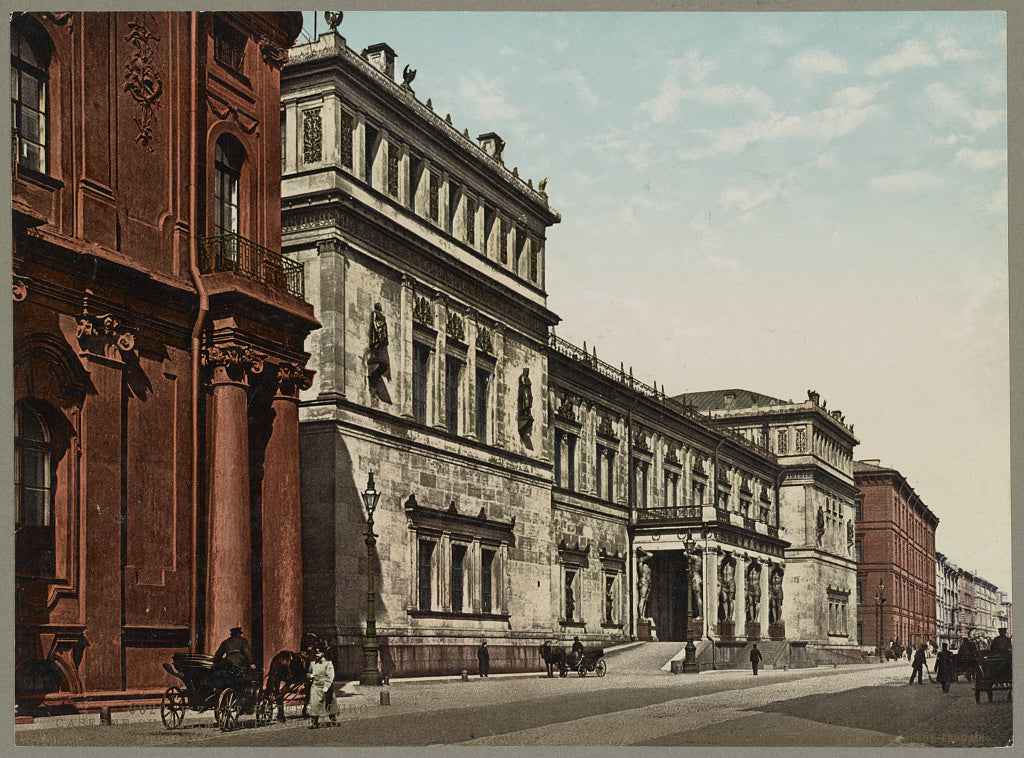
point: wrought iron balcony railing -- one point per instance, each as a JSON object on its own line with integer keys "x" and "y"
{"x": 232, "y": 253}
{"x": 697, "y": 513}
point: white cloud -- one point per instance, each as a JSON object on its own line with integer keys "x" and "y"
{"x": 980, "y": 160}
{"x": 486, "y": 97}
{"x": 951, "y": 51}
{"x": 748, "y": 198}
{"x": 577, "y": 82}
{"x": 826, "y": 160}
{"x": 905, "y": 181}
{"x": 952, "y": 104}
{"x": 817, "y": 61}
{"x": 910, "y": 55}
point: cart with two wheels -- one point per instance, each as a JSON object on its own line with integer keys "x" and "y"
{"x": 592, "y": 660}
{"x": 994, "y": 672}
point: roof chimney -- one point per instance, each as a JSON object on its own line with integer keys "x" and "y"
{"x": 382, "y": 58}
{"x": 493, "y": 145}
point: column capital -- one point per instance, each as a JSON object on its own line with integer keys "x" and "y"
{"x": 232, "y": 364}
{"x": 292, "y": 378}
{"x": 331, "y": 245}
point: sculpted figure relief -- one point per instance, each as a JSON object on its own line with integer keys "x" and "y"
{"x": 775, "y": 597}
{"x": 378, "y": 363}
{"x": 726, "y": 589}
{"x": 696, "y": 589}
{"x": 525, "y": 408}
{"x": 753, "y": 592}
{"x": 643, "y": 581}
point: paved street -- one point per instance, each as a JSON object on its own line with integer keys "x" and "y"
{"x": 635, "y": 704}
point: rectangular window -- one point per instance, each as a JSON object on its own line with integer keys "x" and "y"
{"x": 456, "y": 222}
{"x": 452, "y": 372}
{"x": 486, "y": 580}
{"x": 420, "y": 367}
{"x": 503, "y": 243}
{"x": 370, "y": 152}
{"x": 783, "y": 441}
{"x": 857, "y": 550}
{"x": 345, "y": 129}
{"x": 483, "y": 379}
{"x": 228, "y": 46}
{"x": 394, "y": 161}
{"x": 425, "y": 564}
{"x": 415, "y": 178}
{"x": 520, "y": 248}
{"x": 471, "y": 206}
{"x": 642, "y": 470}
{"x": 534, "y": 261}
{"x": 490, "y": 232}
{"x": 434, "y": 195}
{"x": 698, "y": 493}
{"x": 458, "y": 558}
{"x": 860, "y": 593}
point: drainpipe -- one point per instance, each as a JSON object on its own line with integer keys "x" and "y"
{"x": 204, "y": 308}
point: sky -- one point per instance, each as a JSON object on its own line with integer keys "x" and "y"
{"x": 769, "y": 201}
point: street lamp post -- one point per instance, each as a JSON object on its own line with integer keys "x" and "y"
{"x": 371, "y": 674}
{"x": 690, "y": 658}
{"x": 879, "y": 602}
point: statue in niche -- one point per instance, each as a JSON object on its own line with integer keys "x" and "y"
{"x": 726, "y": 589}
{"x": 775, "y": 597}
{"x": 696, "y": 589}
{"x": 378, "y": 363}
{"x": 821, "y": 524}
{"x": 849, "y": 535}
{"x": 525, "y": 406}
{"x": 753, "y": 588}
{"x": 643, "y": 581}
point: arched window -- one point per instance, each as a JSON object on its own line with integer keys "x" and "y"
{"x": 33, "y": 491}
{"x": 30, "y": 61}
{"x": 229, "y": 157}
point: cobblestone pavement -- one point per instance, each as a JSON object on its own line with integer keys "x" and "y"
{"x": 869, "y": 706}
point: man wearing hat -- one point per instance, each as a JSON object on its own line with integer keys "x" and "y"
{"x": 1000, "y": 644}
{"x": 235, "y": 649}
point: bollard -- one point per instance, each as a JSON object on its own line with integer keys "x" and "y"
{"x": 105, "y": 715}
{"x": 465, "y": 675}
{"x": 385, "y": 697}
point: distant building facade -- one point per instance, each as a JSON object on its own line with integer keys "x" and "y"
{"x": 814, "y": 448}
{"x": 896, "y": 546}
{"x": 947, "y": 607}
{"x": 158, "y": 349}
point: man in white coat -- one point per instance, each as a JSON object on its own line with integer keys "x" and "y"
{"x": 321, "y": 677}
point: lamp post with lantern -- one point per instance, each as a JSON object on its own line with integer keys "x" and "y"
{"x": 879, "y": 602}
{"x": 371, "y": 673}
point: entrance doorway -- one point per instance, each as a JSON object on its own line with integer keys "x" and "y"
{"x": 668, "y": 597}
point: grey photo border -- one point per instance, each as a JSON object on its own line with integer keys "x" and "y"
{"x": 1014, "y": 10}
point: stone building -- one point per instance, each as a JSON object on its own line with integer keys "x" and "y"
{"x": 947, "y": 592}
{"x": 158, "y": 349}
{"x": 896, "y": 546}
{"x": 814, "y": 447}
{"x": 638, "y": 475}
{"x": 424, "y": 257}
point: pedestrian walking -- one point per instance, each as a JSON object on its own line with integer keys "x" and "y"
{"x": 910, "y": 651}
{"x": 755, "y": 658}
{"x": 484, "y": 659}
{"x": 321, "y": 676}
{"x": 918, "y": 664}
{"x": 944, "y": 667}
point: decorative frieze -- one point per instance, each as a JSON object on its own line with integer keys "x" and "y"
{"x": 312, "y": 136}
{"x": 423, "y": 311}
{"x": 455, "y": 328}
{"x": 142, "y": 80}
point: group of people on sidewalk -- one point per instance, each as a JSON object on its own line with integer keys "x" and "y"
{"x": 945, "y": 666}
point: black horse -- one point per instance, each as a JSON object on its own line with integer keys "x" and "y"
{"x": 287, "y": 673}
{"x": 554, "y": 656}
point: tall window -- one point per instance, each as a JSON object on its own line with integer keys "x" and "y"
{"x": 345, "y": 129}
{"x": 229, "y": 156}
{"x": 33, "y": 491}
{"x": 483, "y": 379}
{"x": 452, "y": 373}
{"x": 30, "y": 60}
{"x": 671, "y": 489}
{"x": 565, "y": 459}
{"x": 642, "y": 470}
{"x": 486, "y": 574}
{"x": 371, "y": 146}
{"x": 424, "y": 564}
{"x": 857, "y": 550}
{"x": 420, "y": 367}
{"x": 605, "y": 472}
{"x": 228, "y": 45}
{"x": 783, "y": 441}
{"x": 471, "y": 206}
{"x": 458, "y": 559}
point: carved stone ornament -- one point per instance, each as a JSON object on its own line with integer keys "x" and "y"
{"x": 99, "y": 335}
{"x": 291, "y": 378}
{"x": 20, "y": 290}
{"x": 698, "y": 466}
{"x": 236, "y": 361}
{"x": 604, "y": 428}
{"x": 272, "y": 54}
{"x": 483, "y": 341}
{"x": 455, "y": 328}
{"x": 423, "y": 312}
{"x": 142, "y": 81}
{"x": 640, "y": 441}
{"x": 246, "y": 122}
{"x": 567, "y": 409}
{"x": 312, "y": 136}
{"x": 671, "y": 456}
{"x": 524, "y": 406}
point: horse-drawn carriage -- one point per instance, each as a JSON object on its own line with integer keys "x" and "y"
{"x": 557, "y": 657}
{"x": 592, "y": 660}
{"x": 212, "y": 683}
{"x": 994, "y": 671}
{"x": 965, "y": 661}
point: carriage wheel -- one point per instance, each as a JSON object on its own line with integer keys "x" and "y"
{"x": 228, "y": 709}
{"x": 581, "y": 669}
{"x": 172, "y": 707}
{"x": 601, "y": 668}
{"x": 264, "y": 711}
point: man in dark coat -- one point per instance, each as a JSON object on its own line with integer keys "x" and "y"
{"x": 484, "y": 659}
{"x": 755, "y": 658}
{"x": 1000, "y": 644}
{"x": 918, "y": 664}
{"x": 235, "y": 649}
{"x": 945, "y": 671}
{"x": 577, "y": 650}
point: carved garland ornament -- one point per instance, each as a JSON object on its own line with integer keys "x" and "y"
{"x": 455, "y": 328}
{"x": 234, "y": 359}
{"x": 312, "y": 137}
{"x": 142, "y": 81}
{"x": 97, "y": 334}
{"x": 483, "y": 341}
{"x": 422, "y": 313}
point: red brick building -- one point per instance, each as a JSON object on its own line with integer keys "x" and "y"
{"x": 158, "y": 348}
{"x": 895, "y": 545}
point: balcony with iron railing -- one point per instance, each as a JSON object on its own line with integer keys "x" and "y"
{"x": 619, "y": 375}
{"x": 697, "y": 513}
{"x": 231, "y": 253}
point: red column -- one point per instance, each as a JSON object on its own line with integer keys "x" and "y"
{"x": 229, "y": 542}
{"x": 282, "y": 528}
